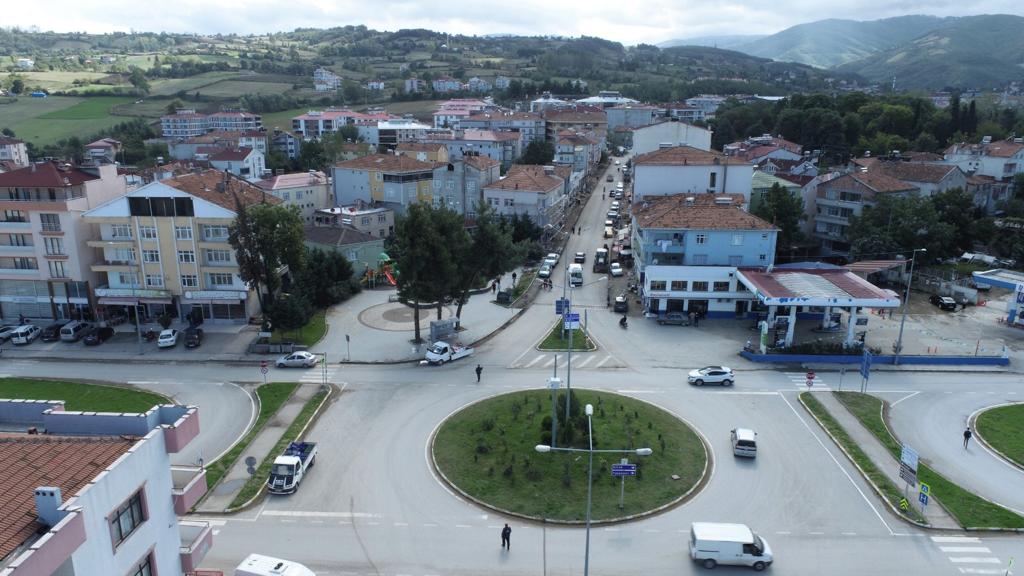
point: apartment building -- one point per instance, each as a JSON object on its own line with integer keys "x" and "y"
{"x": 528, "y": 125}
{"x": 377, "y": 221}
{"x": 164, "y": 247}
{"x": 535, "y": 191}
{"x": 840, "y": 198}
{"x": 631, "y": 115}
{"x": 186, "y": 122}
{"x": 384, "y": 179}
{"x": 96, "y": 493}
{"x": 689, "y": 170}
{"x": 13, "y": 151}
{"x": 187, "y": 148}
{"x": 306, "y": 191}
{"x": 286, "y": 143}
{"x": 446, "y": 84}
{"x": 362, "y": 250}
{"x": 669, "y": 134}
{"x": 450, "y": 112}
{"x": 504, "y": 147}
{"x": 325, "y": 81}
{"x": 414, "y": 85}
{"x": 45, "y": 265}
{"x": 578, "y": 119}
{"x": 458, "y": 184}
{"x": 242, "y": 162}
{"x": 759, "y": 148}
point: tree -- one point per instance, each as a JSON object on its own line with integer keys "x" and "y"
{"x": 970, "y": 120}
{"x": 266, "y": 238}
{"x": 17, "y": 85}
{"x": 487, "y": 255}
{"x": 174, "y": 105}
{"x": 137, "y": 78}
{"x": 312, "y": 156}
{"x": 290, "y": 312}
{"x": 413, "y": 248}
{"x": 784, "y": 210}
{"x": 538, "y": 152}
{"x": 326, "y": 278}
{"x": 7, "y": 132}
{"x": 454, "y": 250}
{"x": 956, "y": 208}
{"x": 897, "y": 225}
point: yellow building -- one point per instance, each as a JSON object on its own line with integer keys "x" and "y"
{"x": 165, "y": 247}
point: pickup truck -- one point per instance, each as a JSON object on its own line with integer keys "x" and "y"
{"x": 442, "y": 352}
{"x": 290, "y": 467}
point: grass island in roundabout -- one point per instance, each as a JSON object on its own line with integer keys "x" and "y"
{"x": 487, "y": 452}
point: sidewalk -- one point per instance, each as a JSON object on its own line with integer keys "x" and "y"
{"x": 936, "y": 515}
{"x": 220, "y": 498}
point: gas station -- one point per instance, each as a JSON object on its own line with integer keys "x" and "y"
{"x": 1008, "y": 280}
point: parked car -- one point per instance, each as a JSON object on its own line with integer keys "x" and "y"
{"x": 615, "y": 269}
{"x": 711, "y": 375}
{"x": 552, "y": 258}
{"x": 609, "y": 231}
{"x": 615, "y": 205}
{"x": 7, "y": 330}
{"x": 943, "y": 302}
{"x": 617, "y": 163}
{"x": 75, "y": 331}
{"x": 193, "y": 337}
{"x": 673, "y": 318}
{"x": 609, "y": 178}
{"x": 617, "y": 194}
{"x": 168, "y": 338}
{"x": 544, "y": 272}
{"x": 52, "y": 332}
{"x": 99, "y": 336}
{"x": 297, "y": 360}
{"x": 621, "y": 304}
{"x": 580, "y": 258}
{"x": 25, "y": 334}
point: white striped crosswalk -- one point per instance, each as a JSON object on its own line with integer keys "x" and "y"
{"x": 316, "y": 375}
{"x": 969, "y": 554}
{"x": 799, "y": 379}
{"x": 580, "y": 361}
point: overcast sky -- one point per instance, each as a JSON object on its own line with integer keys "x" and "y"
{"x": 626, "y": 21}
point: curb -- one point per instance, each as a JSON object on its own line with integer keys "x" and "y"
{"x": 972, "y": 421}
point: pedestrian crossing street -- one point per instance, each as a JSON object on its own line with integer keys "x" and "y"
{"x": 969, "y": 555}
{"x": 580, "y": 361}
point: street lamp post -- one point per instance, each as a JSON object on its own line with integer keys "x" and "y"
{"x": 544, "y": 448}
{"x": 906, "y": 299}
{"x": 566, "y": 309}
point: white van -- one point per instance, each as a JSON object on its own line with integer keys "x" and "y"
{"x": 575, "y": 275}
{"x": 714, "y": 543}
{"x": 25, "y": 334}
{"x": 259, "y": 565}
{"x": 744, "y": 442}
{"x": 74, "y": 331}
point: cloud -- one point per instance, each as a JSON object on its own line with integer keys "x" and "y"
{"x": 628, "y": 22}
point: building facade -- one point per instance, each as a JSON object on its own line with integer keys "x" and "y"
{"x": 306, "y": 191}
{"x": 458, "y": 185}
{"x": 325, "y": 81}
{"x": 840, "y": 198}
{"x": 376, "y": 221}
{"x": 688, "y": 170}
{"x": 14, "y": 151}
{"x": 668, "y": 134}
{"x": 186, "y": 122}
{"x": 534, "y": 191}
{"x": 359, "y": 248}
{"x": 383, "y": 179}
{"x": 530, "y": 126}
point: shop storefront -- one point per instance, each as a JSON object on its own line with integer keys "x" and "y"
{"x": 218, "y": 306}
{"x": 43, "y": 300}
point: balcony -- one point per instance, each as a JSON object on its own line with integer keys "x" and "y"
{"x": 115, "y": 266}
{"x": 9, "y": 249}
{"x": 112, "y": 242}
{"x": 189, "y": 485}
{"x": 6, "y": 225}
{"x": 844, "y": 220}
{"x": 196, "y": 539}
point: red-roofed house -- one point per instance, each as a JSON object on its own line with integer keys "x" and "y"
{"x": 758, "y": 148}
{"x": 458, "y": 184}
{"x": 186, "y": 122}
{"x": 529, "y": 125}
{"x": 689, "y": 170}
{"x": 1001, "y": 159}
{"x": 103, "y": 150}
{"x": 385, "y": 179}
{"x": 242, "y": 162}
{"x": 535, "y": 191}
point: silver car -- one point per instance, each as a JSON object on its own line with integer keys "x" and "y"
{"x": 297, "y": 360}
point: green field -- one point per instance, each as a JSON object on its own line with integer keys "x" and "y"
{"x": 47, "y": 120}
{"x": 283, "y": 119}
{"x": 56, "y": 80}
{"x": 88, "y": 109}
{"x": 171, "y": 86}
{"x": 82, "y": 397}
{"x": 235, "y": 88}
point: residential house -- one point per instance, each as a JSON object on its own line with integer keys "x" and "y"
{"x": 457, "y": 184}
{"x": 287, "y": 143}
{"x": 668, "y": 134}
{"x": 687, "y": 250}
{"x": 376, "y": 85}
{"x": 186, "y": 122}
{"x": 412, "y": 85}
{"x": 325, "y": 81}
{"x": 630, "y": 115}
{"x": 689, "y": 170}
{"x": 423, "y": 151}
{"x": 761, "y": 184}
{"x": 531, "y": 190}
{"x": 103, "y": 151}
{"x": 502, "y": 82}
{"x": 373, "y": 220}
{"x": 758, "y": 148}
{"x": 501, "y": 146}
{"x": 781, "y": 168}
{"x": 475, "y": 84}
{"x": 391, "y": 133}
{"x": 607, "y": 99}
{"x": 576, "y": 150}
{"x": 528, "y": 125}
{"x": 242, "y": 162}
{"x": 577, "y": 118}
{"x": 13, "y": 151}
{"x": 362, "y": 250}
{"x": 450, "y": 112}
{"x": 25, "y": 63}
{"x": 316, "y": 123}
{"x": 991, "y": 166}
{"x": 548, "y": 102}
{"x": 383, "y": 179}
{"x": 307, "y": 191}
{"x": 683, "y": 112}
{"x": 164, "y": 247}
{"x": 930, "y": 179}
{"x": 840, "y": 198}
{"x": 97, "y": 493}
{"x": 188, "y": 148}
{"x": 446, "y": 84}
{"x": 45, "y": 266}
{"x": 707, "y": 103}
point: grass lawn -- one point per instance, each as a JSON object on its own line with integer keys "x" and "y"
{"x": 271, "y": 396}
{"x": 487, "y": 450}
{"x": 47, "y": 120}
{"x": 554, "y": 340}
{"x": 522, "y": 283}
{"x": 87, "y": 109}
{"x": 79, "y": 396}
{"x": 308, "y": 335}
{"x": 283, "y": 119}
{"x": 968, "y": 509}
{"x": 53, "y": 80}
{"x": 256, "y": 482}
{"x": 1003, "y": 429}
{"x": 171, "y": 86}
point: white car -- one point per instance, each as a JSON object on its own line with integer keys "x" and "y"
{"x": 297, "y": 360}
{"x": 711, "y": 375}
{"x": 545, "y": 271}
{"x": 617, "y": 162}
{"x": 552, "y": 259}
{"x": 25, "y": 334}
{"x": 615, "y": 269}
{"x": 168, "y": 338}
{"x": 7, "y": 331}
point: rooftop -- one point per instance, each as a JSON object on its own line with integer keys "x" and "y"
{"x": 697, "y": 212}
{"x": 229, "y": 155}
{"x": 8, "y": 141}
{"x": 220, "y": 188}
{"x": 686, "y": 155}
{"x": 874, "y": 180}
{"x": 814, "y": 287}
{"x": 527, "y": 178}
{"x": 46, "y": 175}
{"x": 294, "y": 180}
{"x": 914, "y": 171}
{"x": 340, "y": 235}
{"x": 386, "y": 163}
{"x": 480, "y": 162}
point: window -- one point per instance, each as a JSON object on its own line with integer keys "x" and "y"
{"x": 127, "y": 518}
{"x": 700, "y": 259}
{"x": 154, "y": 281}
{"x": 120, "y": 231}
{"x": 215, "y": 233}
{"x": 701, "y": 238}
{"x": 18, "y": 240}
{"x": 711, "y": 179}
{"x": 381, "y": 219}
{"x": 218, "y": 256}
{"x": 189, "y": 281}
{"x": 51, "y": 222}
{"x": 735, "y": 260}
{"x": 57, "y": 269}
{"x": 700, "y": 286}
{"x": 679, "y": 285}
{"x": 54, "y": 246}
{"x": 721, "y": 287}
{"x": 144, "y": 568}
{"x": 286, "y": 196}
{"x": 764, "y": 236}
{"x": 657, "y": 285}
{"x": 221, "y": 279}
{"x": 14, "y": 216}
{"x": 127, "y": 279}
{"x": 150, "y": 255}
{"x": 366, "y": 220}
{"x": 186, "y": 256}
{"x": 380, "y": 233}
{"x": 147, "y": 232}
{"x": 183, "y": 232}
{"x": 737, "y": 239}
{"x": 763, "y": 257}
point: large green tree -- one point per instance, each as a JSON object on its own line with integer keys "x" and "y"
{"x": 899, "y": 224}
{"x": 327, "y": 277}
{"x": 267, "y": 238}
{"x": 538, "y": 152}
{"x": 785, "y": 210}
{"x": 956, "y": 208}
{"x": 487, "y": 255}
{"x": 415, "y": 249}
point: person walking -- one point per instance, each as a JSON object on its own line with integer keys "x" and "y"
{"x": 967, "y": 436}
{"x": 506, "y": 537}
{"x": 479, "y": 371}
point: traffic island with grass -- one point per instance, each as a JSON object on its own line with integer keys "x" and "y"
{"x": 1002, "y": 428}
{"x": 557, "y": 340}
{"x": 488, "y": 452}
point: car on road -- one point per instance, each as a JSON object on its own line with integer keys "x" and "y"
{"x": 609, "y": 231}
{"x": 552, "y": 259}
{"x": 609, "y": 223}
{"x": 25, "y": 334}
{"x": 544, "y": 272}
{"x": 943, "y": 302}
{"x": 580, "y": 258}
{"x": 610, "y": 178}
{"x": 674, "y": 319}
{"x": 711, "y": 375}
{"x": 617, "y": 162}
{"x": 621, "y": 304}
{"x": 99, "y": 336}
{"x": 612, "y": 215}
{"x": 193, "y": 337}
{"x": 297, "y": 360}
{"x": 7, "y": 330}
{"x": 168, "y": 338}
{"x": 615, "y": 269}
{"x": 52, "y": 332}
{"x": 615, "y": 205}
{"x": 617, "y": 194}
{"x": 744, "y": 442}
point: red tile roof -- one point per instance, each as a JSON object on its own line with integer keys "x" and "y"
{"x": 685, "y": 155}
{"x": 8, "y": 141}
{"x": 104, "y": 143}
{"x": 236, "y": 155}
{"x": 209, "y": 183}
{"x": 914, "y": 171}
{"x": 672, "y": 212}
{"x": 480, "y": 162}
{"x": 295, "y": 180}
{"x": 527, "y": 178}
{"x": 69, "y": 463}
{"x": 45, "y": 175}
{"x": 386, "y": 163}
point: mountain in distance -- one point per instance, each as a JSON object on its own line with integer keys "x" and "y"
{"x": 973, "y": 52}
{"x": 726, "y": 42}
{"x": 828, "y": 43}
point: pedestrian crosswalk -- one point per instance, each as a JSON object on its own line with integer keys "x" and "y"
{"x": 820, "y": 382}
{"x": 970, "y": 555}
{"x": 316, "y": 374}
{"x": 580, "y": 361}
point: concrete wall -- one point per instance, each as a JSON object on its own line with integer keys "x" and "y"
{"x": 692, "y": 179}
{"x": 650, "y": 138}
{"x": 28, "y": 412}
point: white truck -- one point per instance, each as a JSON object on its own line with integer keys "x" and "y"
{"x": 260, "y": 565}
{"x": 441, "y": 352}
{"x": 714, "y": 543}
{"x": 290, "y": 467}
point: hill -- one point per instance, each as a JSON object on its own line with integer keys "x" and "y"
{"x": 828, "y": 43}
{"x": 726, "y": 42}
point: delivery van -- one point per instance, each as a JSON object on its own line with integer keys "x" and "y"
{"x": 575, "y": 275}
{"x": 714, "y": 543}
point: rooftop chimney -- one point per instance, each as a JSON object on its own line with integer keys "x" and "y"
{"x": 48, "y": 501}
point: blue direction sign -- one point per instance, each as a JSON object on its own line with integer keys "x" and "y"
{"x": 561, "y": 306}
{"x": 865, "y": 364}
{"x": 922, "y": 498}
{"x": 623, "y": 469}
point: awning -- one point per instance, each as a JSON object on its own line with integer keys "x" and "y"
{"x": 155, "y": 300}
{"x": 119, "y": 301}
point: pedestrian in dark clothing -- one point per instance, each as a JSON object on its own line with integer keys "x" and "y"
{"x": 479, "y": 371}
{"x": 693, "y": 319}
{"x": 506, "y": 537}
{"x": 967, "y": 436}
{"x": 514, "y": 278}
{"x": 494, "y": 287}
{"x": 696, "y": 319}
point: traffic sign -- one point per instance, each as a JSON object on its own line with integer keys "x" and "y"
{"x": 623, "y": 470}
{"x": 561, "y": 306}
{"x": 922, "y": 498}
{"x": 264, "y": 369}
{"x": 865, "y": 364}
{"x": 904, "y": 504}
{"x": 925, "y": 488}
{"x": 908, "y": 465}
{"x": 810, "y": 378}
{"x": 572, "y": 317}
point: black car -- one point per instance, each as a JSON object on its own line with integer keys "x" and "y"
{"x": 580, "y": 257}
{"x": 621, "y": 305}
{"x": 193, "y": 337}
{"x": 943, "y": 302}
{"x": 99, "y": 336}
{"x": 52, "y": 332}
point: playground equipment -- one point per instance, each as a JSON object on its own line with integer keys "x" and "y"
{"x": 385, "y": 272}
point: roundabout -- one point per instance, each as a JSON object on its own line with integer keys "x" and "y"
{"x": 487, "y": 451}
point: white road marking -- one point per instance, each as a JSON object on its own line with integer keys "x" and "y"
{"x": 956, "y": 539}
{"x": 982, "y": 570}
{"x": 318, "y": 514}
{"x": 215, "y": 532}
{"x": 429, "y": 525}
{"x": 463, "y": 526}
{"x": 849, "y": 533}
{"x": 401, "y": 524}
{"x": 907, "y": 397}
{"x": 973, "y": 560}
{"x": 585, "y": 361}
{"x": 640, "y": 391}
{"x": 611, "y": 529}
{"x": 534, "y": 361}
{"x": 752, "y": 393}
{"x": 142, "y": 382}
{"x": 603, "y": 362}
{"x": 963, "y": 549}
{"x": 550, "y": 362}
{"x": 783, "y": 533}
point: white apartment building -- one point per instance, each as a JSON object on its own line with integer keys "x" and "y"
{"x": 14, "y": 151}
{"x": 688, "y": 170}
